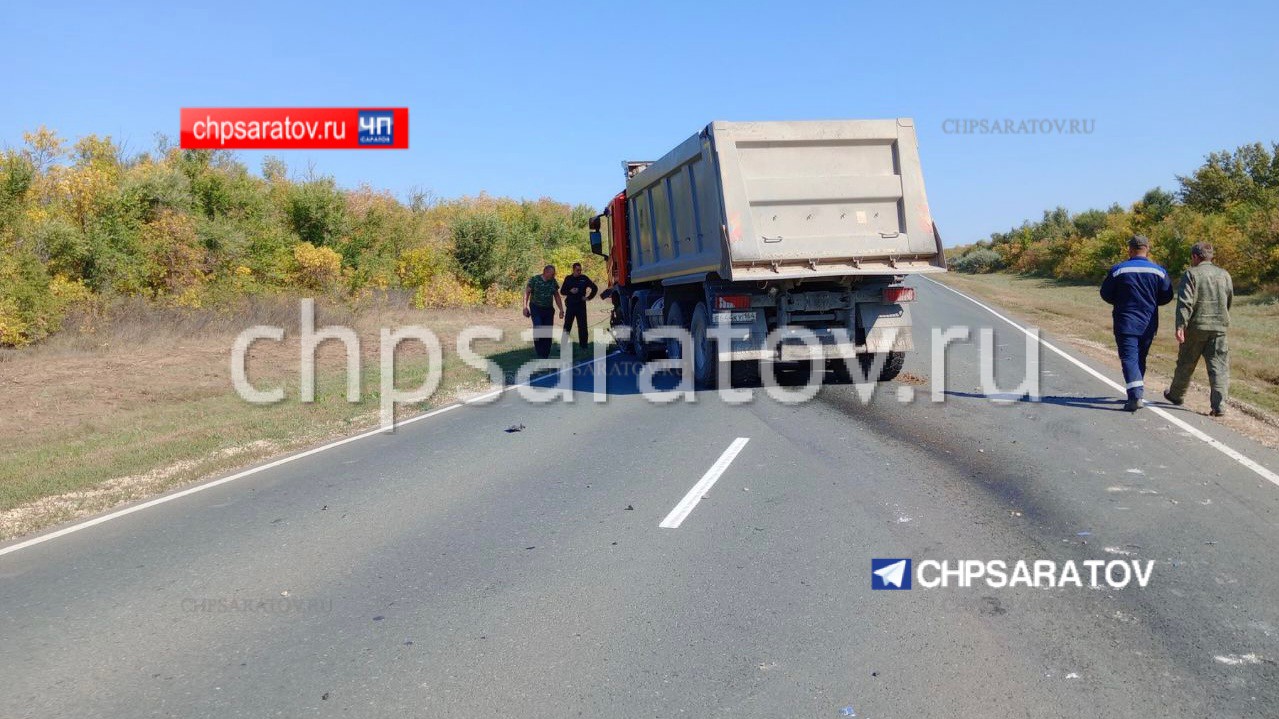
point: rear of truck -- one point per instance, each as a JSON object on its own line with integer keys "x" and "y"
{"x": 798, "y": 235}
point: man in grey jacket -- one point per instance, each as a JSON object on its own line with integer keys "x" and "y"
{"x": 1203, "y": 315}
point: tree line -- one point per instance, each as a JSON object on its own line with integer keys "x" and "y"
{"x": 84, "y": 223}
{"x": 1231, "y": 200}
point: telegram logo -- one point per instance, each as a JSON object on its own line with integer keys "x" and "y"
{"x": 890, "y": 574}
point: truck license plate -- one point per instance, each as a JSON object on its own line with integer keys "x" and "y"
{"x": 743, "y": 317}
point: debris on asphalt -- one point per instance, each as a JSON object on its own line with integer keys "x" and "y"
{"x": 408, "y": 642}
{"x": 324, "y": 697}
{"x": 532, "y": 547}
{"x": 1083, "y": 534}
{"x": 324, "y": 508}
{"x": 285, "y": 593}
{"x": 847, "y": 711}
{"x": 1072, "y": 675}
{"x": 515, "y": 428}
{"x": 630, "y": 507}
{"x": 1234, "y": 660}
{"x": 378, "y": 618}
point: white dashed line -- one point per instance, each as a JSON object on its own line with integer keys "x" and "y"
{"x": 690, "y": 500}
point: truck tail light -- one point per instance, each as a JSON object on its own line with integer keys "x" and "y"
{"x": 733, "y": 302}
{"x": 897, "y": 295}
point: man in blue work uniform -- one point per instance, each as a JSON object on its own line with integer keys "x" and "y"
{"x": 1136, "y": 288}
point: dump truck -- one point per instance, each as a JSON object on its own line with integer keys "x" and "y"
{"x": 793, "y": 237}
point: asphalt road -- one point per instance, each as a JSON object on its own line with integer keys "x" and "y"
{"x": 455, "y": 569}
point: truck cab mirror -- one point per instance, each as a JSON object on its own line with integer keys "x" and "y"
{"x": 597, "y": 243}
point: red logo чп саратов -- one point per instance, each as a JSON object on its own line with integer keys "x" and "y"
{"x": 294, "y": 128}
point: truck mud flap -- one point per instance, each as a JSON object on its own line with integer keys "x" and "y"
{"x": 887, "y": 327}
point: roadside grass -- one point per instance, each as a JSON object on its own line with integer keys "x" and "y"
{"x": 1077, "y": 311}
{"x": 142, "y": 404}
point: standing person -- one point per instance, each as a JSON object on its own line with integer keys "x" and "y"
{"x": 1203, "y": 314}
{"x": 578, "y": 290}
{"x": 1136, "y": 288}
{"x": 539, "y": 294}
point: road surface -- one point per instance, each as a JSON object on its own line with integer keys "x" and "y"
{"x": 455, "y": 569}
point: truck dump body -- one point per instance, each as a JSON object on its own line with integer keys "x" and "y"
{"x": 784, "y": 200}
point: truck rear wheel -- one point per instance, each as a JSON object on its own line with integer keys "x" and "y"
{"x": 675, "y": 318}
{"x": 893, "y": 362}
{"x": 705, "y": 355}
{"x": 745, "y": 373}
{"x": 639, "y": 325}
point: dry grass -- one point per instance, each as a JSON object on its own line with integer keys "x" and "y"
{"x": 122, "y": 408}
{"x": 1076, "y": 312}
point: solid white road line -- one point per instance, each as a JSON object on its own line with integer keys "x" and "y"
{"x": 690, "y": 500}
{"x": 254, "y": 470}
{"x": 1177, "y": 421}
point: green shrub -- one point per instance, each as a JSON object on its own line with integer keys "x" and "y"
{"x": 977, "y": 261}
{"x": 484, "y": 248}
{"x": 316, "y": 211}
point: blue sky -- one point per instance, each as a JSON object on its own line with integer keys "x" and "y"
{"x": 546, "y": 99}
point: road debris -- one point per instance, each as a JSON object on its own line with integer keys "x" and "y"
{"x": 515, "y": 428}
{"x": 1234, "y": 660}
{"x": 847, "y": 711}
{"x": 630, "y": 508}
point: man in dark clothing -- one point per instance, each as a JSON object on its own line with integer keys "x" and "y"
{"x": 539, "y": 293}
{"x": 1203, "y": 315}
{"x": 1136, "y": 288}
{"x": 578, "y": 290}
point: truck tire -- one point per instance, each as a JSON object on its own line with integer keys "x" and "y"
{"x": 745, "y": 373}
{"x": 705, "y": 354}
{"x": 839, "y": 371}
{"x": 674, "y": 318}
{"x": 893, "y": 362}
{"x": 639, "y": 325}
